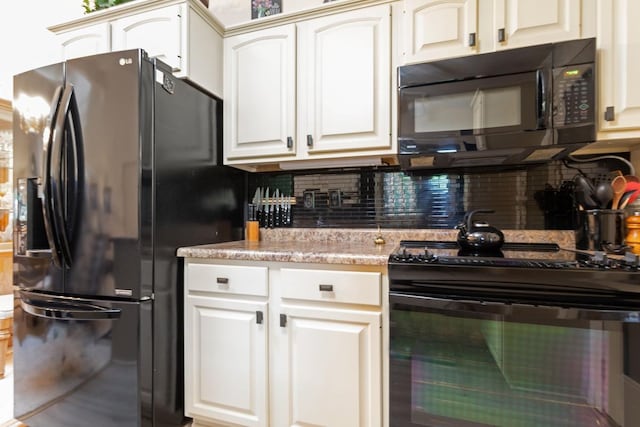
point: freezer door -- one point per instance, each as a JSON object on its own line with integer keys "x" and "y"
{"x": 111, "y": 231}
{"x": 36, "y": 100}
{"x": 81, "y": 362}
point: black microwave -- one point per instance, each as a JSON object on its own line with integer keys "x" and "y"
{"x": 518, "y": 106}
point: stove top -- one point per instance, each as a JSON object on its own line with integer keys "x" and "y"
{"x": 523, "y": 255}
{"x": 529, "y": 273}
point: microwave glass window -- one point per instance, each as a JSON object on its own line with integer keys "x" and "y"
{"x": 472, "y": 111}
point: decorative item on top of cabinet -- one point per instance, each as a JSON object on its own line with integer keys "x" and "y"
{"x": 316, "y": 89}
{"x": 436, "y": 29}
{"x": 181, "y": 33}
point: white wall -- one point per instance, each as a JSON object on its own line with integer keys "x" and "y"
{"x": 25, "y": 42}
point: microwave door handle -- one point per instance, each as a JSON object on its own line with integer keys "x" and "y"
{"x": 541, "y": 95}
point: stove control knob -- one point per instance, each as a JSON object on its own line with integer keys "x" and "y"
{"x": 600, "y": 259}
{"x": 631, "y": 260}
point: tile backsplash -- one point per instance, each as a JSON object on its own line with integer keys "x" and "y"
{"x": 538, "y": 197}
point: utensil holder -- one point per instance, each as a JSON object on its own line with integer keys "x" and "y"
{"x": 601, "y": 230}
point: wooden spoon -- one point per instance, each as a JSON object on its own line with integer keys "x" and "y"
{"x": 618, "y": 184}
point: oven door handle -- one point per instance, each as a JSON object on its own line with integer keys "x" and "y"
{"x": 507, "y": 309}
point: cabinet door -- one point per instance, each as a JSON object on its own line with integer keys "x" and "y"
{"x": 226, "y": 360}
{"x": 343, "y": 81}
{"x": 159, "y": 32}
{"x": 618, "y": 38}
{"x": 524, "y": 22}
{"x": 259, "y": 93}
{"x": 434, "y": 29}
{"x": 331, "y": 373}
{"x": 85, "y": 41}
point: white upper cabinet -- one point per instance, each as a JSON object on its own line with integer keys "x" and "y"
{"x": 181, "y": 33}
{"x": 316, "y": 89}
{"x": 618, "y": 42}
{"x": 524, "y": 22}
{"x": 144, "y": 30}
{"x": 436, "y": 29}
{"x": 260, "y": 93}
{"x": 343, "y": 90}
{"x": 86, "y": 41}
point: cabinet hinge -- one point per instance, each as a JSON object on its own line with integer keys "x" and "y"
{"x": 283, "y": 320}
{"x": 259, "y": 317}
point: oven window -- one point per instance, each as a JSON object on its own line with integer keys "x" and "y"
{"x": 522, "y": 369}
{"x": 479, "y": 109}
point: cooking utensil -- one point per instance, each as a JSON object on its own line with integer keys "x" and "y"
{"x": 604, "y": 194}
{"x": 267, "y": 208}
{"x": 259, "y": 206}
{"x": 633, "y": 188}
{"x": 585, "y": 192}
{"x": 618, "y": 184}
{"x": 275, "y": 219}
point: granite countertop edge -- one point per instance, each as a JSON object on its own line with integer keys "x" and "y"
{"x": 343, "y": 246}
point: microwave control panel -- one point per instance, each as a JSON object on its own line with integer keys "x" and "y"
{"x": 574, "y": 95}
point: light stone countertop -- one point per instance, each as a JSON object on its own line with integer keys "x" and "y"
{"x": 344, "y": 246}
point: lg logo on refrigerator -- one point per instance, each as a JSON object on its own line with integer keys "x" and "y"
{"x": 126, "y": 61}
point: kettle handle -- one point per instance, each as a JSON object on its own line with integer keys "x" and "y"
{"x": 469, "y": 216}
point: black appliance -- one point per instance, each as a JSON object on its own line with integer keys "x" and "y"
{"x": 532, "y": 335}
{"x": 518, "y": 106}
{"x": 116, "y": 165}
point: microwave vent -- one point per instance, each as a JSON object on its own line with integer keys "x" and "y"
{"x": 543, "y": 154}
{"x": 422, "y": 161}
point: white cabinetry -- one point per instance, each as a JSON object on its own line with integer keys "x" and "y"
{"x": 328, "y": 353}
{"x": 618, "y": 40}
{"x": 321, "y": 364}
{"x": 181, "y": 33}
{"x": 86, "y": 41}
{"x": 435, "y": 29}
{"x": 226, "y": 344}
{"x": 316, "y": 89}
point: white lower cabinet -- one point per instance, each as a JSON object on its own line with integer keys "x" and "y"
{"x": 310, "y": 353}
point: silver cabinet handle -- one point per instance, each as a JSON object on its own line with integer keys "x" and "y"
{"x": 326, "y": 288}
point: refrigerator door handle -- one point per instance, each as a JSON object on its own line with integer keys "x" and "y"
{"x": 50, "y": 230}
{"x": 58, "y": 174}
{"x": 65, "y": 308}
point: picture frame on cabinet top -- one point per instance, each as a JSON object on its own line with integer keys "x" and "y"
{"x": 264, "y": 8}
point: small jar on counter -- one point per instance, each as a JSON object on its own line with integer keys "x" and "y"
{"x": 633, "y": 232}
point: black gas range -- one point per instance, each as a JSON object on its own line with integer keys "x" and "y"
{"x": 529, "y": 273}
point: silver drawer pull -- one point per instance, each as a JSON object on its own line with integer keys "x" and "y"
{"x": 222, "y": 280}
{"x": 326, "y": 288}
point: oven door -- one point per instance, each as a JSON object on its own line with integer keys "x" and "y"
{"x": 461, "y": 363}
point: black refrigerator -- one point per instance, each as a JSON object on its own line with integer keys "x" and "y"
{"x": 116, "y": 165}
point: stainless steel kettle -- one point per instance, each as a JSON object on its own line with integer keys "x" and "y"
{"x": 478, "y": 235}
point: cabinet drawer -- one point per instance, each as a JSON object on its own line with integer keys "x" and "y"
{"x": 228, "y": 279}
{"x": 352, "y": 287}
